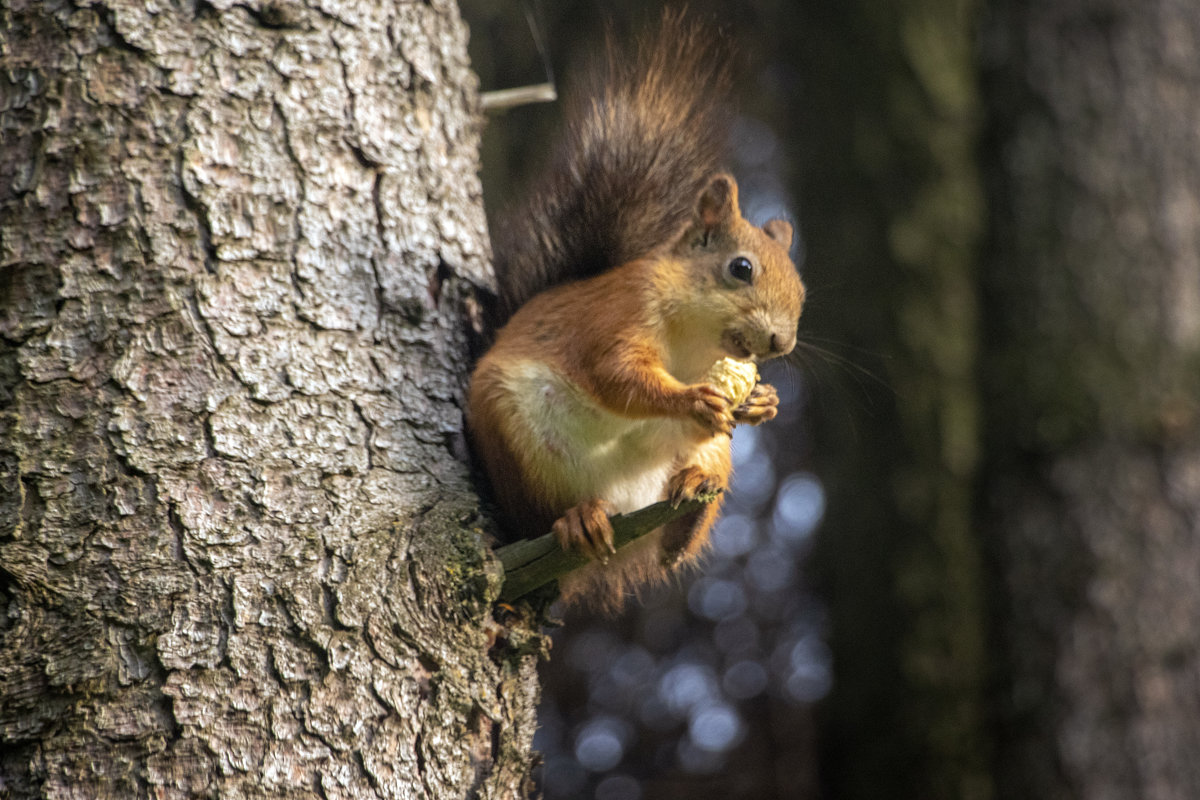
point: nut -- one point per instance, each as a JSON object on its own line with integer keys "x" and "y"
{"x": 734, "y": 378}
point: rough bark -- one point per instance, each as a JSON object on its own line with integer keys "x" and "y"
{"x": 1093, "y": 354}
{"x": 238, "y": 557}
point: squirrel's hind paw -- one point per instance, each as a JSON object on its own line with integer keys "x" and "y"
{"x": 585, "y": 527}
{"x": 691, "y": 482}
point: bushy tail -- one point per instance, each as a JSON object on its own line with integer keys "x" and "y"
{"x": 644, "y": 130}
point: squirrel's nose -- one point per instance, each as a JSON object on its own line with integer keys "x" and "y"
{"x": 781, "y": 344}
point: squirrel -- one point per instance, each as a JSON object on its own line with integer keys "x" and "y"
{"x": 624, "y": 276}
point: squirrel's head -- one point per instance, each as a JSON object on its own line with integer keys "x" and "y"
{"x": 742, "y": 278}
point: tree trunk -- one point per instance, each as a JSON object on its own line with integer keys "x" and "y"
{"x": 1093, "y": 354}
{"x": 892, "y": 215}
{"x": 238, "y": 556}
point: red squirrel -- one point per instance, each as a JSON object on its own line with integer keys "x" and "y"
{"x": 624, "y": 277}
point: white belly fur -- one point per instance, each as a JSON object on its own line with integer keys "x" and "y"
{"x": 585, "y": 451}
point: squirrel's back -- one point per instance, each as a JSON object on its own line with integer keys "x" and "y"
{"x": 645, "y": 129}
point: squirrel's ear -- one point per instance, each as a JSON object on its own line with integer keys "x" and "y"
{"x": 780, "y": 231}
{"x": 718, "y": 201}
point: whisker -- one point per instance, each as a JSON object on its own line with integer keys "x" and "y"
{"x": 809, "y": 338}
{"x": 849, "y": 367}
{"x": 851, "y": 382}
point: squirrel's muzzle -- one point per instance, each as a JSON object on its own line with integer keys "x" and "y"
{"x": 782, "y": 343}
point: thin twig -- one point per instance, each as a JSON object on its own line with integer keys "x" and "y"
{"x": 533, "y": 563}
{"x": 504, "y": 99}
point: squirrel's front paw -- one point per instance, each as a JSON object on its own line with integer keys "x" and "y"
{"x": 585, "y": 527}
{"x": 760, "y": 406}
{"x": 691, "y": 482}
{"x": 711, "y": 409}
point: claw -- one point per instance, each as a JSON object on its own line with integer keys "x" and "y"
{"x": 711, "y": 409}
{"x": 585, "y": 527}
{"x": 762, "y": 405}
{"x": 691, "y": 482}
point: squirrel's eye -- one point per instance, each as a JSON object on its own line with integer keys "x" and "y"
{"x": 741, "y": 269}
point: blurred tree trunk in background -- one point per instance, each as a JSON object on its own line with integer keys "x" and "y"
{"x": 238, "y": 555}
{"x": 1092, "y": 354}
{"x": 891, "y": 212}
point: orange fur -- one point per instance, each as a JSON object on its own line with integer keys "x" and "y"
{"x": 594, "y": 391}
{"x": 623, "y": 277}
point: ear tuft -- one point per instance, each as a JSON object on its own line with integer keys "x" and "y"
{"x": 717, "y": 203}
{"x": 779, "y": 230}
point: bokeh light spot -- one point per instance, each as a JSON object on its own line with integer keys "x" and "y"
{"x": 799, "y": 507}
{"x": 770, "y": 568}
{"x": 744, "y": 680}
{"x": 600, "y": 744}
{"x": 715, "y": 728}
{"x": 734, "y": 535}
{"x": 716, "y": 598}
{"x": 687, "y": 685}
